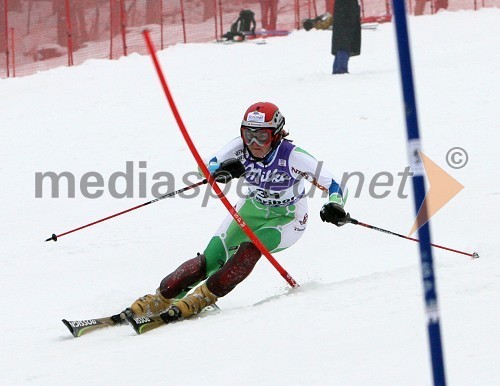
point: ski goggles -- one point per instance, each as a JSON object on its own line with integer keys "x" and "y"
{"x": 259, "y": 135}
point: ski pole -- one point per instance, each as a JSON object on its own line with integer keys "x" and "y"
{"x": 474, "y": 255}
{"x": 171, "y": 194}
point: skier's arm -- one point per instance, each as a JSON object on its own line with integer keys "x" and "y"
{"x": 227, "y": 170}
{"x": 305, "y": 165}
{"x": 224, "y": 164}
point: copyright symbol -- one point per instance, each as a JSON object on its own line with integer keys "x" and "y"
{"x": 457, "y": 158}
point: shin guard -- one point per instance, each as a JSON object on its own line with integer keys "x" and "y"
{"x": 188, "y": 273}
{"x": 236, "y": 269}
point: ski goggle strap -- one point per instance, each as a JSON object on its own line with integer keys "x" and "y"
{"x": 260, "y": 136}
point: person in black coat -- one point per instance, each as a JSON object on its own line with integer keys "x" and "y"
{"x": 346, "y": 33}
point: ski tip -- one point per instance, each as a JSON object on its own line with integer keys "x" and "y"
{"x": 70, "y": 328}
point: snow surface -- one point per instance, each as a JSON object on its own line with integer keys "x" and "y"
{"x": 358, "y": 317}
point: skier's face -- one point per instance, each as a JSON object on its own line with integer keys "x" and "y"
{"x": 257, "y": 140}
{"x": 259, "y": 151}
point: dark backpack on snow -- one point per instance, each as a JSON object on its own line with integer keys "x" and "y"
{"x": 245, "y": 23}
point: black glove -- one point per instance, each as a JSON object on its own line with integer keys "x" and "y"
{"x": 334, "y": 213}
{"x": 229, "y": 169}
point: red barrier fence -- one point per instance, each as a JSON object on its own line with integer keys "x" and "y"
{"x": 37, "y": 35}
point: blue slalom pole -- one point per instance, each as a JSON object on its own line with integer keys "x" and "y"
{"x": 414, "y": 146}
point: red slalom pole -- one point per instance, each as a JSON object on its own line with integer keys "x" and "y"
{"x": 183, "y": 19}
{"x": 123, "y": 24}
{"x": 54, "y": 237}
{"x": 13, "y": 52}
{"x": 215, "y": 20}
{"x": 474, "y": 255}
{"x": 6, "y": 17}
{"x": 205, "y": 171}
{"x": 69, "y": 31}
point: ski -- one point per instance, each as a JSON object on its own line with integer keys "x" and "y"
{"x": 140, "y": 324}
{"x": 84, "y": 326}
{"x": 147, "y": 323}
{"x": 258, "y": 41}
{"x": 144, "y": 323}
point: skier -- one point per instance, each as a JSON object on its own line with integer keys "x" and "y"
{"x": 275, "y": 208}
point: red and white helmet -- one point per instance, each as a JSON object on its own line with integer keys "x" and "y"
{"x": 264, "y": 116}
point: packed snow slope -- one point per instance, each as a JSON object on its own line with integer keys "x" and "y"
{"x": 358, "y": 317}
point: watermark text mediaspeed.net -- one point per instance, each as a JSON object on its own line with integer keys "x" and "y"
{"x": 135, "y": 181}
